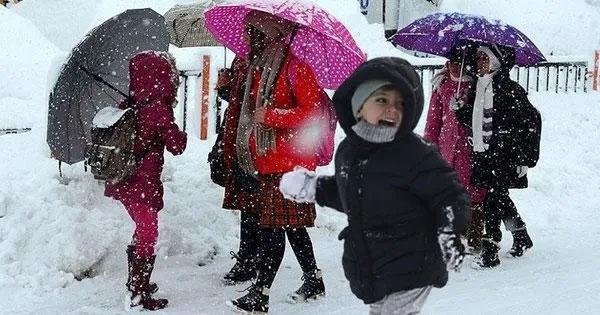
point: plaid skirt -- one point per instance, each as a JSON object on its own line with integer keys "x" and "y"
{"x": 278, "y": 212}
{"x": 241, "y": 196}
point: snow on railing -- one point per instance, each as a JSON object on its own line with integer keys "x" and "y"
{"x": 558, "y": 74}
{"x": 13, "y": 130}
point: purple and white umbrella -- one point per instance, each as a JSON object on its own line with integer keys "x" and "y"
{"x": 437, "y": 33}
{"x": 321, "y": 41}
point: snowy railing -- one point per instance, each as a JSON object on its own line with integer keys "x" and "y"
{"x": 13, "y": 130}
{"x": 554, "y": 76}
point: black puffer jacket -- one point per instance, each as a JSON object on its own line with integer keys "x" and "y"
{"x": 516, "y": 131}
{"x": 396, "y": 195}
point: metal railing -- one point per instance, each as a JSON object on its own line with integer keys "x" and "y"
{"x": 545, "y": 76}
{"x": 13, "y": 130}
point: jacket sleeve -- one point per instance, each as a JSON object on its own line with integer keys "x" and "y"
{"x": 307, "y": 94}
{"x": 528, "y": 132}
{"x": 464, "y": 115}
{"x": 174, "y": 139}
{"x": 327, "y": 193}
{"x": 437, "y": 185}
{"x": 434, "y": 118}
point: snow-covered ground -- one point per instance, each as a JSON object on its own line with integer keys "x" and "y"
{"x": 54, "y": 230}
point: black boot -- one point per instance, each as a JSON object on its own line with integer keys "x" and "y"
{"x": 243, "y": 270}
{"x": 130, "y": 257}
{"x": 475, "y": 229}
{"x": 255, "y": 302}
{"x": 139, "y": 286}
{"x": 489, "y": 254}
{"x": 312, "y": 288}
{"x": 521, "y": 243}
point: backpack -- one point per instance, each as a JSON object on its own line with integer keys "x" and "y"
{"x": 110, "y": 154}
{"x": 327, "y": 123}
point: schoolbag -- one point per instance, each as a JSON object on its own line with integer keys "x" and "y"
{"x": 110, "y": 154}
{"x": 327, "y": 122}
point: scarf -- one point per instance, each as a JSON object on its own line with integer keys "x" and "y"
{"x": 374, "y": 133}
{"x": 483, "y": 107}
{"x": 269, "y": 64}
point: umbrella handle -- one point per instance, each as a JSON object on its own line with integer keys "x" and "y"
{"x": 101, "y": 80}
{"x": 462, "y": 65}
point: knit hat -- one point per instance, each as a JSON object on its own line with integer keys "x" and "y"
{"x": 363, "y": 92}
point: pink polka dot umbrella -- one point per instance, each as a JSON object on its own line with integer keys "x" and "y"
{"x": 322, "y": 41}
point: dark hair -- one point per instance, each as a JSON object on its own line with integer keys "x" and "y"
{"x": 468, "y": 51}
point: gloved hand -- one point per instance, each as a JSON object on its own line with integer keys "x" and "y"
{"x": 456, "y": 103}
{"x": 453, "y": 250}
{"x": 299, "y": 185}
{"x": 522, "y": 171}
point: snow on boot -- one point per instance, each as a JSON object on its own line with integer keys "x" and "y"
{"x": 130, "y": 258}
{"x": 521, "y": 243}
{"x": 141, "y": 296}
{"x": 489, "y": 254}
{"x": 255, "y": 302}
{"x": 312, "y": 288}
{"x": 243, "y": 270}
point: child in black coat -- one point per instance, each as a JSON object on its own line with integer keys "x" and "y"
{"x": 406, "y": 209}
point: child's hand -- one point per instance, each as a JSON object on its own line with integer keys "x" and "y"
{"x": 456, "y": 103}
{"x": 453, "y": 250}
{"x": 299, "y": 185}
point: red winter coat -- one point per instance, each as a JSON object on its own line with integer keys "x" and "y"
{"x": 153, "y": 89}
{"x": 444, "y": 129}
{"x": 296, "y": 105}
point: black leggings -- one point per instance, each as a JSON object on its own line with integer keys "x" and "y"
{"x": 499, "y": 207}
{"x": 249, "y": 228}
{"x": 272, "y": 249}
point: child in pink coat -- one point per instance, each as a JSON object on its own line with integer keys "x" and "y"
{"x": 455, "y": 84}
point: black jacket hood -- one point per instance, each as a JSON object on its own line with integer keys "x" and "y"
{"x": 396, "y": 70}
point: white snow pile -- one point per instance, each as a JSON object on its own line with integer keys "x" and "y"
{"x": 108, "y": 116}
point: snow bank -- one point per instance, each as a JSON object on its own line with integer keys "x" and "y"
{"x": 24, "y": 68}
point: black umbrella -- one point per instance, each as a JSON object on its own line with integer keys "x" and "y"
{"x": 96, "y": 75}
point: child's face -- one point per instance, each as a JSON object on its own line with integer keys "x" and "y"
{"x": 384, "y": 107}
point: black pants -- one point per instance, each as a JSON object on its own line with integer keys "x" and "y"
{"x": 272, "y": 248}
{"x": 249, "y": 228}
{"x": 499, "y": 207}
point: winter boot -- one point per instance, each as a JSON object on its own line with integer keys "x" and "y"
{"x": 243, "y": 270}
{"x": 130, "y": 258}
{"x": 475, "y": 231}
{"x": 312, "y": 288}
{"x": 521, "y": 243}
{"x": 141, "y": 271}
{"x": 255, "y": 302}
{"x": 489, "y": 254}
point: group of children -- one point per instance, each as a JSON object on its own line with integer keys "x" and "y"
{"x": 407, "y": 208}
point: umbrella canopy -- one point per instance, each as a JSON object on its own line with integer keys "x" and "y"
{"x": 321, "y": 41}
{"x": 96, "y": 75}
{"x": 437, "y": 33}
{"x": 185, "y": 24}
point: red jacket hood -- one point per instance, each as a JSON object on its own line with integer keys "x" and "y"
{"x": 153, "y": 75}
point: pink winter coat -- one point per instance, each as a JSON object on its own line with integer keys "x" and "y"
{"x": 153, "y": 88}
{"x": 443, "y": 129}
